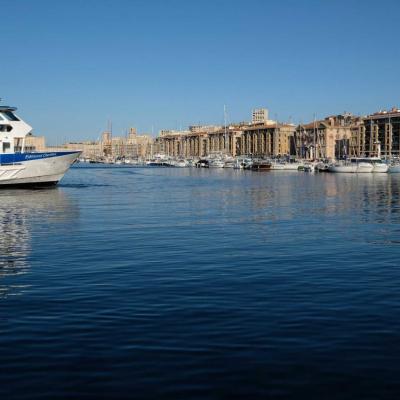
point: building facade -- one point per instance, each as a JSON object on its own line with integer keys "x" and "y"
{"x": 259, "y": 116}
{"x": 377, "y": 134}
{"x": 240, "y": 140}
{"x": 324, "y": 139}
{"x": 117, "y": 147}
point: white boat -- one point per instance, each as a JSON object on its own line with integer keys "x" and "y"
{"x": 242, "y": 163}
{"x": 180, "y": 164}
{"x": 309, "y": 167}
{"x": 216, "y": 164}
{"x": 229, "y": 164}
{"x": 293, "y": 166}
{"x": 353, "y": 165}
{"x": 277, "y": 165}
{"x": 322, "y": 166}
{"x": 379, "y": 165}
{"x": 18, "y": 167}
{"x": 359, "y": 164}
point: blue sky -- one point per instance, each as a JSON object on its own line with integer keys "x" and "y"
{"x": 70, "y": 66}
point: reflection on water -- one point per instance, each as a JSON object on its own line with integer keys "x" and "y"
{"x": 19, "y": 211}
{"x": 276, "y": 196}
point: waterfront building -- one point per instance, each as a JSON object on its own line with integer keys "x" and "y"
{"x": 204, "y": 128}
{"x": 346, "y": 135}
{"x": 377, "y": 133}
{"x": 235, "y": 140}
{"x": 89, "y": 149}
{"x": 131, "y": 146}
{"x": 324, "y": 139}
{"x": 266, "y": 140}
{"x": 106, "y": 144}
{"x": 334, "y": 137}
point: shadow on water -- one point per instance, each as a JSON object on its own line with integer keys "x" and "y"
{"x": 82, "y": 185}
{"x": 19, "y": 211}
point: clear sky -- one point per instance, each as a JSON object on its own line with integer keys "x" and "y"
{"x": 70, "y": 66}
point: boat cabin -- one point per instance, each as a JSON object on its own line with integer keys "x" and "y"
{"x": 12, "y": 131}
{"x": 371, "y": 160}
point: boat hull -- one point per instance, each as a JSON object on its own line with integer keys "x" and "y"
{"x": 37, "y": 169}
{"x": 293, "y": 166}
{"x": 277, "y": 166}
{"x": 380, "y": 168}
{"x": 261, "y": 166}
{"x": 352, "y": 168}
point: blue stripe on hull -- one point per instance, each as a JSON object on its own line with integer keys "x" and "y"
{"x": 20, "y": 157}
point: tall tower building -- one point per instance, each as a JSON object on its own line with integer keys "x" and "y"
{"x": 259, "y": 115}
{"x": 106, "y": 137}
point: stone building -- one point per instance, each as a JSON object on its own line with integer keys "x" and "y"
{"x": 259, "y": 116}
{"x": 235, "y": 140}
{"x": 35, "y": 143}
{"x": 265, "y": 140}
{"x": 377, "y": 133}
{"x": 132, "y": 146}
{"x": 324, "y": 139}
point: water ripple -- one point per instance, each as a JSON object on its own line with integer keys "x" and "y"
{"x": 186, "y": 283}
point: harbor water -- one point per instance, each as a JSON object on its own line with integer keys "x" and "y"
{"x": 180, "y": 283}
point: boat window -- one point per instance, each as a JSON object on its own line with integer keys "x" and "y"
{"x": 5, "y": 128}
{"x": 10, "y": 116}
{"x": 6, "y": 146}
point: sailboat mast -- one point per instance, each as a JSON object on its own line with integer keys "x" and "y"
{"x": 314, "y": 139}
{"x": 225, "y": 138}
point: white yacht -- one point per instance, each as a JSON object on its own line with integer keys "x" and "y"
{"x": 276, "y": 165}
{"x": 294, "y": 166}
{"x": 216, "y": 163}
{"x": 353, "y": 165}
{"x": 18, "y": 167}
{"x": 181, "y": 163}
{"x": 379, "y": 165}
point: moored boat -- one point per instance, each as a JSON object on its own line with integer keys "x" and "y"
{"x": 202, "y": 163}
{"x": 309, "y": 167}
{"x": 261, "y": 165}
{"x": 215, "y": 163}
{"x": 293, "y": 166}
{"x": 181, "y": 163}
{"x": 379, "y": 165}
{"x": 353, "y": 165}
{"x": 277, "y": 165}
{"x": 322, "y": 166}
